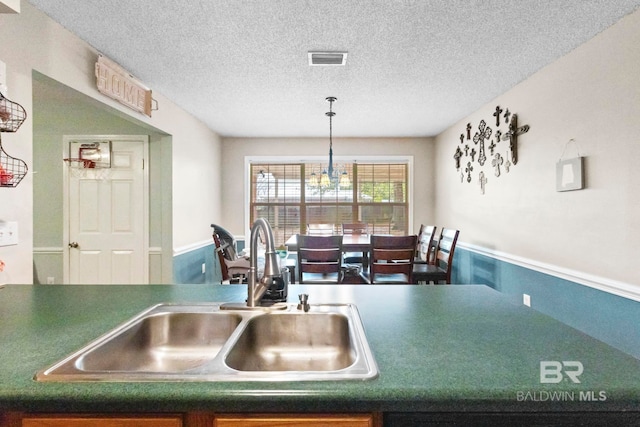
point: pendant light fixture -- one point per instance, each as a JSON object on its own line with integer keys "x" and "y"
{"x": 329, "y": 175}
{"x": 313, "y": 180}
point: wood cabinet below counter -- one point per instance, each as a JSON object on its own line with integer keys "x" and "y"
{"x": 244, "y": 420}
{"x": 102, "y": 421}
{"x": 202, "y": 419}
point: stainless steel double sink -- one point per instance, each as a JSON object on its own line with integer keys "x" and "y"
{"x": 204, "y": 342}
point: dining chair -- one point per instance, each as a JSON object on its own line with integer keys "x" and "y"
{"x": 354, "y": 228}
{"x": 320, "y": 229}
{"x": 355, "y": 263}
{"x": 426, "y": 245}
{"x": 443, "y": 265}
{"x": 392, "y": 259}
{"x": 420, "y": 231}
{"x": 234, "y": 269}
{"x": 319, "y": 259}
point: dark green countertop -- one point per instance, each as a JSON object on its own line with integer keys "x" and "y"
{"x": 438, "y": 348}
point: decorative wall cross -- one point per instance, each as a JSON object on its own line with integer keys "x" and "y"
{"x": 497, "y": 115}
{"x": 512, "y": 136}
{"x": 483, "y": 181}
{"x": 496, "y": 162}
{"x": 492, "y": 147}
{"x": 482, "y": 157}
{"x": 501, "y": 156}
{"x": 484, "y": 132}
{"x": 468, "y": 170}
{"x": 457, "y": 157}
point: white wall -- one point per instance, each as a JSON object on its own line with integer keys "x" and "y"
{"x": 593, "y": 96}
{"x": 235, "y": 150}
{"x": 32, "y": 41}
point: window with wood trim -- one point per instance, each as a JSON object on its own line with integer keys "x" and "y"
{"x": 290, "y": 197}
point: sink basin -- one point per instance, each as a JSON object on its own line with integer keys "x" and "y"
{"x": 204, "y": 342}
{"x": 164, "y": 342}
{"x": 294, "y": 342}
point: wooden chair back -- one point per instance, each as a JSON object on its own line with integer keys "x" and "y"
{"x": 418, "y": 242}
{"x": 223, "y": 264}
{"x": 319, "y": 259}
{"x": 442, "y": 267}
{"x": 446, "y": 248}
{"x": 392, "y": 259}
{"x": 320, "y": 229}
{"x": 426, "y": 245}
{"x": 355, "y": 228}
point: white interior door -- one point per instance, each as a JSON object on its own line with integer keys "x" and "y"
{"x": 107, "y": 217}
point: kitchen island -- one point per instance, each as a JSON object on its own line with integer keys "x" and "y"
{"x": 444, "y": 353}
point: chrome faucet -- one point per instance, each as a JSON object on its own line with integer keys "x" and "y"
{"x": 257, "y": 288}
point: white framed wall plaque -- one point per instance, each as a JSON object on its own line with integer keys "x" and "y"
{"x": 570, "y": 174}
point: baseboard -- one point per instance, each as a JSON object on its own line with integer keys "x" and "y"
{"x": 614, "y": 287}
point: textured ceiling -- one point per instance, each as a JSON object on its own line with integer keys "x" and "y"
{"x": 414, "y": 67}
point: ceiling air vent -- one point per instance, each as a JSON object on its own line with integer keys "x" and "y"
{"x": 327, "y": 58}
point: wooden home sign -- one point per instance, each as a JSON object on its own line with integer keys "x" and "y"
{"x": 113, "y": 81}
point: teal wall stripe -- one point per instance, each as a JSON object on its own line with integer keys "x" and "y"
{"x": 604, "y": 316}
{"x": 187, "y": 267}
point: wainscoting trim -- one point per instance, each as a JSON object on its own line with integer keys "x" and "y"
{"x": 192, "y": 247}
{"x": 614, "y": 287}
{"x": 48, "y": 250}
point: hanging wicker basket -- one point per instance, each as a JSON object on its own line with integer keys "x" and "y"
{"x": 12, "y": 115}
{"x": 12, "y": 170}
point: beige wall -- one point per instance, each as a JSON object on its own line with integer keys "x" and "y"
{"x": 593, "y": 96}
{"x": 234, "y": 151}
{"x": 32, "y": 41}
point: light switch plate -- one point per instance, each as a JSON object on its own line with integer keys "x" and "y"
{"x": 8, "y": 233}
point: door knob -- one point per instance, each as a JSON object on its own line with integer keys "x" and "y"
{"x": 74, "y": 245}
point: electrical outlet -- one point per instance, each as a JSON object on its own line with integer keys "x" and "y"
{"x": 204, "y": 268}
{"x": 51, "y": 280}
{"x": 526, "y": 300}
{"x": 8, "y": 233}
